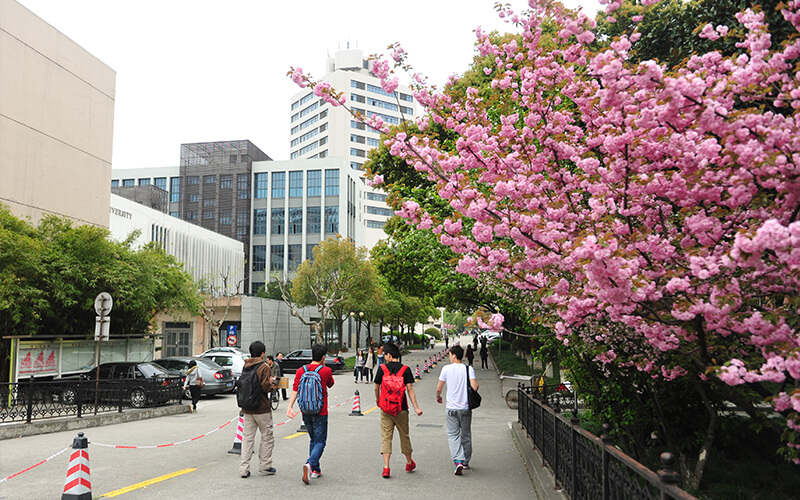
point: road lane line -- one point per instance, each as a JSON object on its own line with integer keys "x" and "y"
{"x": 136, "y": 486}
{"x": 292, "y": 436}
{"x": 371, "y": 409}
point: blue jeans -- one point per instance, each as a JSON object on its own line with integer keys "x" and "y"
{"x": 317, "y": 427}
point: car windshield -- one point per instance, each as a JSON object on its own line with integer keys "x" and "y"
{"x": 152, "y": 370}
{"x": 207, "y": 363}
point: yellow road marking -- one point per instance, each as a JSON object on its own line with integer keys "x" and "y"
{"x": 147, "y": 483}
{"x": 292, "y": 436}
{"x": 371, "y": 409}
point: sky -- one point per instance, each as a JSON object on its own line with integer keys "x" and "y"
{"x": 205, "y": 70}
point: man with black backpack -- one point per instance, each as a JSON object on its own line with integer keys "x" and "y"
{"x": 392, "y": 381}
{"x": 310, "y": 390}
{"x": 255, "y": 384}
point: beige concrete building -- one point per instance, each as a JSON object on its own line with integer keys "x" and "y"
{"x": 56, "y": 122}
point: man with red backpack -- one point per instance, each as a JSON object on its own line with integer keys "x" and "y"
{"x": 392, "y": 380}
{"x": 310, "y": 390}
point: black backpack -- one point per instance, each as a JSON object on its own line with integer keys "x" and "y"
{"x": 248, "y": 396}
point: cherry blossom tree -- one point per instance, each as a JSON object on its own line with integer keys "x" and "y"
{"x": 652, "y": 213}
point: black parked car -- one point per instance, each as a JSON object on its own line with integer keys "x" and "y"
{"x": 216, "y": 378}
{"x": 139, "y": 383}
{"x": 300, "y": 357}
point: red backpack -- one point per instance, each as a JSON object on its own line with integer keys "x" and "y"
{"x": 393, "y": 390}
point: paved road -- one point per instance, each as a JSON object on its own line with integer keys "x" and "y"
{"x": 351, "y": 463}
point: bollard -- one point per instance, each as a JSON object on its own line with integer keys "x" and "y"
{"x": 356, "y": 406}
{"x": 416, "y": 375}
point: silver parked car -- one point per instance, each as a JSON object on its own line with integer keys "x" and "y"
{"x": 217, "y": 378}
{"x": 232, "y": 358}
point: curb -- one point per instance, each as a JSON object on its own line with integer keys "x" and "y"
{"x": 541, "y": 477}
{"x": 18, "y": 430}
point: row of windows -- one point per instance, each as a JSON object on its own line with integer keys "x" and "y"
{"x": 305, "y": 137}
{"x": 374, "y": 224}
{"x": 376, "y": 197}
{"x": 386, "y": 118}
{"x": 302, "y": 101}
{"x": 310, "y": 121}
{"x": 306, "y": 111}
{"x": 276, "y": 253}
{"x": 387, "y": 212}
{"x": 313, "y": 220}
{"x": 378, "y": 90}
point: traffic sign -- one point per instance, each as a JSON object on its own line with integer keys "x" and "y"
{"x": 103, "y": 303}
{"x": 102, "y": 328}
{"x": 231, "y": 335}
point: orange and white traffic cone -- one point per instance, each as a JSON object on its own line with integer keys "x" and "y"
{"x": 416, "y": 375}
{"x": 237, "y": 439}
{"x": 78, "y": 485}
{"x": 356, "y": 406}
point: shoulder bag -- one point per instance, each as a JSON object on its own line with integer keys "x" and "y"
{"x": 473, "y": 398}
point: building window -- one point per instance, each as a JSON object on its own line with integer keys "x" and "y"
{"x": 209, "y": 214}
{"x": 259, "y": 257}
{"x": 193, "y": 179}
{"x": 310, "y": 251}
{"x": 313, "y": 221}
{"x": 357, "y": 85}
{"x": 332, "y": 182}
{"x": 260, "y": 221}
{"x": 226, "y": 181}
{"x": 242, "y": 218}
{"x": 357, "y": 98}
{"x": 375, "y": 224}
{"x": 358, "y": 152}
{"x": 177, "y": 215}
{"x": 160, "y": 183}
{"x": 388, "y": 212}
{"x": 357, "y": 125}
{"x": 243, "y": 186}
{"x": 373, "y": 142}
{"x": 241, "y": 233}
{"x": 276, "y": 258}
{"x": 256, "y": 286}
{"x": 314, "y": 182}
{"x": 192, "y": 197}
{"x": 296, "y": 220}
{"x": 174, "y": 189}
{"x": 209, "y": 179}
{"x": 278, "y": 184}
{"x": 296, "y": 184}
{"x": 332, "y": 220}
{"x": 357, "y": 138}
{"x": 128, "y": 182}
{"x": 261, "y": 182}
{"x": 210, "y": 202}
{"x": 225, "y": 217}
{"x": 295, "y": 256}
{"x": 376, "y": 197}
{"x": 406, "y": 97}
{"x": 356, "y": 166}
{"x": 115, "y": 183}
{"x": 144, "y": 182}
{"x": 278, "y": 220}
{"x": 190, "y": 215}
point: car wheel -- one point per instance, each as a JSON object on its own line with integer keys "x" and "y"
{"x": 68, "y": 396}
{"x": 138, "y": 398}
{"x": 187, "y": 394}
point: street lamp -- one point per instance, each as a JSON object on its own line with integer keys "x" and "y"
{"x": 358, "y": 327}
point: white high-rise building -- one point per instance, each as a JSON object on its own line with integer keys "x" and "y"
{"x": 319, "y": 130}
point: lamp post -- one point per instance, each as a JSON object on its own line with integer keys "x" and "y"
{"x": 358, "y": 328}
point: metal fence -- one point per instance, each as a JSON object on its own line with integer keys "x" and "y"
{"x": 586, "y": 466}
{"x": 37, "y": 399}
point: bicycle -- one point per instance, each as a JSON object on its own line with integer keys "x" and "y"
{"x": 274, "y": 399}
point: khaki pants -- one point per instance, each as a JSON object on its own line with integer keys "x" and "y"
{"x": 388, "y": 423}
{"x": 263, "y": 423}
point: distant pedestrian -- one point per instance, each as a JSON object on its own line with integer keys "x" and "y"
{"x": 379, "y": 356}
{"x": 279, "y": 362}
{"x": 470, "y": 354}
{"x": 475, "y": 342}
{"x": 358, "y": 370}
{"x": 316, "y": 422}
{"x": 369, "y": 364}
{"x": 259, "y": 418}
{"x": 193, "y": 382}
{"x": 447, "y": 341}
{"x": 484, "y": 357}
{"x": 458, "y": 420}
{"x": 392, "y": 381}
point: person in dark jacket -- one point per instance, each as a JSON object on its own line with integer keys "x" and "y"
{"x": 259, "y": 419}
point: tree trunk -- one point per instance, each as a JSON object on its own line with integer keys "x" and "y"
{"x": 693, "y": 481}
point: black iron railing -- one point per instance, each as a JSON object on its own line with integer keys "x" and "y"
{"x": 586, "y": 466}
{"x": 38, "y": 399}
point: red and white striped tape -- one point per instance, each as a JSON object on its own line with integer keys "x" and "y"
{"x": 12, "y": 476}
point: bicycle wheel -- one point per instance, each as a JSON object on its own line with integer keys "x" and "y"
{"x": 511, "y": 399}
{"x": 274, "y": 400}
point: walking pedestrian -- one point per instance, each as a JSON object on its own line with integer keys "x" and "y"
{"x": 316, "y": 421}
{"x": 392, "y": 382}
{"x": 358, "y": 369}
{"x": 484, "y": 357}
{"x": 446, "y": 341}
{"x": 369, "y": 364}
{"x": 259, "y": 418}
{"x": 379, "y": 356}
{"x": 279, "y": 361}
{"x": 470, "y": 354}
{"x": 458, "y": 420}
{"x": 193, "y": 382}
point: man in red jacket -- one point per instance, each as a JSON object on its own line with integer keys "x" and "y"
{"x": 260, "y": 418}
{"x": 316, "y": 425}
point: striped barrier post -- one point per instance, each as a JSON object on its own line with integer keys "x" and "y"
{"x": 237, "y": 439}
{"x": 78, "y": 484}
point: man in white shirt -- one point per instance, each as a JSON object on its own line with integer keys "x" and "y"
{"x": 459, "y": 417}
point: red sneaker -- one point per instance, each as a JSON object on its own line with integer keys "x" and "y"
{"x": 386, "y": 473}
{"x": 411, "y": 466}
